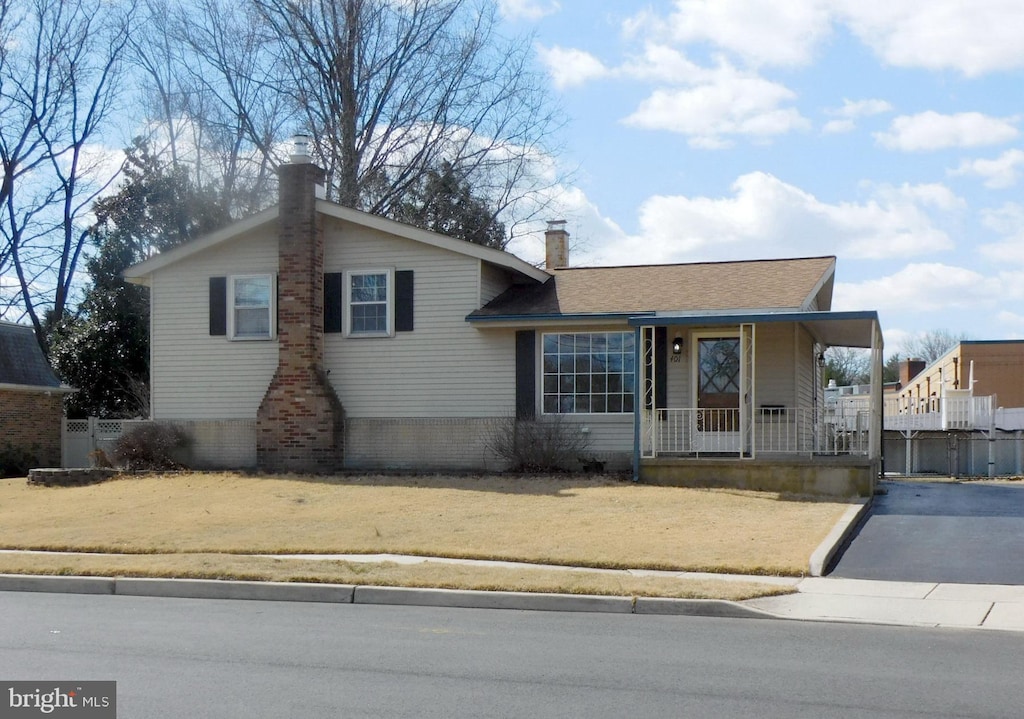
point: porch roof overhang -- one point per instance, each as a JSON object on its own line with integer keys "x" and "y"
{"x": 834, "y": 329}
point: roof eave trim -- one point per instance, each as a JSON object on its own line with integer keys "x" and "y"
{"x": 753, "y": 317}
{"x": 576, "y": 317}
{"x": 383, "y": 224}
{"x": 139, "y": 272}
{"x": 830, "y": 273}
{"x": 48, "y": 389}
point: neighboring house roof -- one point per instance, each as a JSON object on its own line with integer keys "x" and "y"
{"x": 21, "y": 360}
{"x": 140, "y": 272}
{"x": 791, "y": 284}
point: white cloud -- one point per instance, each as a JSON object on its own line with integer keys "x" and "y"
{"x": 766, "y": 217}
{"x": 920, "y": 287}
{"x": 999, "y": 173}
{"x": 1007, "y": 221}
{"x": 761, "y": 32}
{"x": 973, "y": 38}
{"x": 588, "y": 228}
{"x": 569, "y": 67}
{"x": 1011, "y": 324}
{"x": 527, "y": 9}
{"x": 835, "y": 127}
{"x": 933, "y": 131}
{"x": 662, "y": 63}
{"x": 850, "y": 112}
{"x": 711, "y": 112}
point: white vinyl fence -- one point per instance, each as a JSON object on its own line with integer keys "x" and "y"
{"x": 81, "y": 437}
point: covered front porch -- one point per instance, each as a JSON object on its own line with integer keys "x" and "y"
{"x": 737, "y": 400}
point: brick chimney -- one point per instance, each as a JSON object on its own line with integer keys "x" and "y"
{"x": 556, "y": 245}
{"x": 299, "y": 424}
{"x": 910, "y": 368}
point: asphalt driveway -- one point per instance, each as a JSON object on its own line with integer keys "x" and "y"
{"x": 970, "y": 533}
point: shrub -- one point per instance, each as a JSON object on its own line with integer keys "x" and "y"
{"x": 549, "y": 445}
{"x": 17, "y": 461}
{"x": 150, "y": 446}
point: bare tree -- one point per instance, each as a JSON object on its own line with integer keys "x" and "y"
{"x": 202, "y": 77}
{"x": 58, "y": 80}
{"x": 847, "y": 365}
{"x": 388, "y": 91}
{"x": 931, "y": 345}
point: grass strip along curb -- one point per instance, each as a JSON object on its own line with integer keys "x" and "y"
{"x": 349, "y": 594}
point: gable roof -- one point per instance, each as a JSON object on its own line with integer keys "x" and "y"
{"x": 140, "y": 272}
{"x": 791, "y": 284}
{"x": 21, "y": 360}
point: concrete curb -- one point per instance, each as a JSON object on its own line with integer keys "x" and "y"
{"x": 493, "y": 600}
{"x": 842, "y": 530}
{"x": 232, "y": 589}
{"x": 699, "y": 608}
{"x": 51, "y": 583}
{"x": 399, "y": 596}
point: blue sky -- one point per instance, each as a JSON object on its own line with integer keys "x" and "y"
{"x": 885, "y": 132}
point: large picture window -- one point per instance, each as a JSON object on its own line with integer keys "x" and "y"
{"x": 588, "y": 372}
{"x": 252, "y": 309}
{"x": 370, "y": 296}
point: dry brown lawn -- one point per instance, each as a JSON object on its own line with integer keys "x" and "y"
{"x": 578, "y": 521}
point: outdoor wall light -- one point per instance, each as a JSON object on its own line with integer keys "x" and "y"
{"x": 821, "y": 359}
{"x": 677, "y": 346}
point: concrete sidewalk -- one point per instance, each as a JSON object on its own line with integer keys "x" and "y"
{"x": 816, "y": 598}
{"x": 927, "y": 604}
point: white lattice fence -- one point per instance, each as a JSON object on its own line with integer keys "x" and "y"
{"x": 83, "y": 436}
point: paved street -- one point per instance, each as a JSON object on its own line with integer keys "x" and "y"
{"x": 970, "y": 533}
{"x": 216, "y": 658}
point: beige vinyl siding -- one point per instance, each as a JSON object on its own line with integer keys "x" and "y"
{"x": 196, "y": 376}
{"x": 774, "y": 376}
{"x": 493, "y": 281}
{"x": 444, "y": 367}
{"x": 806, "y": 374}
{"x": 678, "y": 374}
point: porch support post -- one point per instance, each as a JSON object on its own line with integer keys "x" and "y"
{"x": 875, "y": 429}
{"x": 637, "y": 401}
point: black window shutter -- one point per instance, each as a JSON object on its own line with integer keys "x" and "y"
{"x": 403, "y": 300}
{"x": 661, "y": 367}
{"x": 334, "y": 301}
{"x": 526, "y": 374}
{"x": 218, "y": 306}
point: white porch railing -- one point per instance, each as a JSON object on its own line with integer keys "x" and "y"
{"x": 935, "y": 413}
{"x": 792, "y": 431}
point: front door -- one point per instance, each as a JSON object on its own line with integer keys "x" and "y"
{"x": 717, "y": 384}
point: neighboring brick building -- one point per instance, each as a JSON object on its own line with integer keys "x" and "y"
{"x": 31, "y": 396}
{"x": 994, "y": 365}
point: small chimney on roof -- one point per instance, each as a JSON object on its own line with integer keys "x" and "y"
{"x": 910, "y": 368}
{"x": 556, "y": 245}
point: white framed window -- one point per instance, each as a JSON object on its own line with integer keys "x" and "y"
{"x": 251, "y": 300}
{"x": 370, "y": 300}
{"x": 588, "y": 373}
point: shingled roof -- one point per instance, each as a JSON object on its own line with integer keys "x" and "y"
{"x": 789, "y": 284}
{"x": 21, "y": 360}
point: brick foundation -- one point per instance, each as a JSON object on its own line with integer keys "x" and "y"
{"x": 299, "y": 423}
